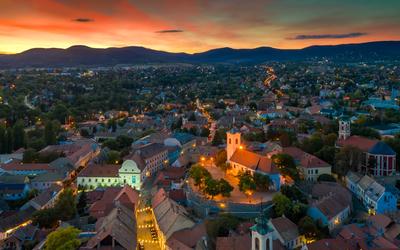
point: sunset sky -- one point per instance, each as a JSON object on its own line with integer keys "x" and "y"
{"x": 194, "y": 25}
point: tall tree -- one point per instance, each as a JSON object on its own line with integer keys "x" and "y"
{"x": 18, "y": 134}
{"x": 50, "y": 136}
{"x": 63, "y": 239}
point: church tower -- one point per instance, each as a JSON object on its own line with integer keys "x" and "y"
{"x": 233, "y": 141}
{"x": 344, "y": 129}
{"x": 261, "y": 235}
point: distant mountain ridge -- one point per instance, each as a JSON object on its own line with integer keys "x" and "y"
{"x": 85, "y": 56}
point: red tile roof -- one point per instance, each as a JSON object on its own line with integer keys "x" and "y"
{"x": 16, "y": 166}
{"x": 253, "y": 161}
{"x": 187, "y": 238}
{"x": 363, "y": 143}
{"x": 96, "y": 170}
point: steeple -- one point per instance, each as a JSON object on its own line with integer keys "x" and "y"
{"x": 261, "y": 234}
{"x": 344, "y": 128}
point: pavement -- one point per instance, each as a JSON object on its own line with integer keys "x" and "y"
{"x": 144, "y": 219}
{"x": 236, "y": 195}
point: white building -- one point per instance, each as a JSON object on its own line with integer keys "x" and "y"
{"x": 94, "y": 176}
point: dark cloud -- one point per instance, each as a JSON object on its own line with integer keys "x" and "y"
{"x": 83, "y": 20}
{"x": 169, "y": 31}
{"x": 328, "y": 36}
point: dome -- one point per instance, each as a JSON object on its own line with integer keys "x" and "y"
{"x": 129, "y": 166}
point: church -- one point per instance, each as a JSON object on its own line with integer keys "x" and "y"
{"x": 378, "y": 158}
{"x": 241, "y": 159}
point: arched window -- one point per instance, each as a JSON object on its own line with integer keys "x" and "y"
{"x": 267, "y": 244}
{"x": 257, "y": 244}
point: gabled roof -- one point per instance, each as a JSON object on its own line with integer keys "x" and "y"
{"x": 253, "y": 161}
{"x": 285, "y": 228}
{"x": 120, "y": 224}
{"x": 187, "y": 238}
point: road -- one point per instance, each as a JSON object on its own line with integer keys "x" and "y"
{"x": 27, "y": 103}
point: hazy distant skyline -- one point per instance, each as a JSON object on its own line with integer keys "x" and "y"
{"x": 194, "y": 26}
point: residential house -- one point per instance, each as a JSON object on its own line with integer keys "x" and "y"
{"x": 45, "y": 199}
{"x": 14, "y": 187}
{"x": 170, "y": 217}
{"x": 286, "y": 232}
{"x": 331, "y": 205}
{"x": 311, "y": 167}
{"x": 376, "y": 197}
{"x": 189, "y": 239}
{"x": 113, "y": 196}
{"x": 117, "y": 230}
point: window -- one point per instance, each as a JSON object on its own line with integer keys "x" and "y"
{"x": 257, "y": 244}
{"x": 237, "y": 141}
{"x": 230, "y": 141}
{"x": 316, "y": 171}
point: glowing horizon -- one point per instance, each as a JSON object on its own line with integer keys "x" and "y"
{"x": 193, "y": 25}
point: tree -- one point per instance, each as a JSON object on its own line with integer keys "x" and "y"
{"x": 50, "y": 133}
{"x": 18, "y": 134}
{"x": 326, "y": 177}
{"x": 199, "y": 174}
{"x": 220, "y": 158}
{"x": 212, "y": 187}
{"x": 348, "y": 158}
{"x": 63, "y": 239}
{"x": 112, "y": 124}
{"x": 82, "y": 202}
{"x": 225, "y": 188}
{"x": 66, "y": 205}
{"x": 246, "y": 182}
{"x": 113, "y": 157}
{"x": 205, "y": 132}
{"x": 8, "y": 145}
{"x": 308, "y": 228}
{"x": 30, "y": 156}
{"x": 2, "y": 139}
{"x": 286, "y": 165}
{"x": 262, "y": 181}
{"x": 45, "y": 218}
{"x": 253, "y": 106}
{"x": 293, "y": 193}
{"x": 282, "y": 204}
{"x": 59, "y": 112}
{"x": 192, "y": 117}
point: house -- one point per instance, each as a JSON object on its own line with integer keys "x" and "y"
{"x": 45, "y": 199}
{"x": 46, "y": 180}
{"x": 20, "y": 168}
{"x": 79, "y": 152}
{"x": 102, "y": 175}
{"x": 183, "y": 140}
{"x": 310, "y": 166}
{"x": 170, "y": 217}
{"x": 14, "y": 187}
{"x": 17, "y": 239}
{"x": 378, "y": 232}
{"x": 241, "y": 159}
{"x": 149, "y": 159}
{"x": 378, "y": 158}
{"x": 331, "y": 205}
{"x": 113, "y": 196}
{"x": 376, "y": 197}
{"x": 189, "y": 239}
{"x": 117, "y": 230}
{"x": 286, "y": 232}
{"x": 13, "y": 220}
